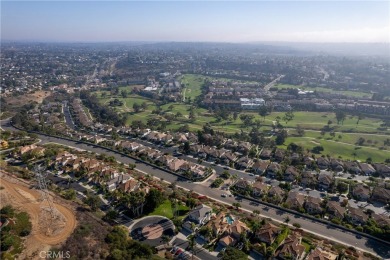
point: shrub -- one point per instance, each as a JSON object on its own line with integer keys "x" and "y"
{"x": 297, "y": 225}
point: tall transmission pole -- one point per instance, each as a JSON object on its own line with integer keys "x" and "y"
{"x": 40, "y": 176}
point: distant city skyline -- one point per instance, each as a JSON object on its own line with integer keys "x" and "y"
{"x": 211, "y": 21}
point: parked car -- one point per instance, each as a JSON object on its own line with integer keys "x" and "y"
{"x": 223, "y": 195}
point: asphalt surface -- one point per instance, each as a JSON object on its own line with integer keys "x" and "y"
{"x": 166, "y": 224}
{"x": 341, "y": 236}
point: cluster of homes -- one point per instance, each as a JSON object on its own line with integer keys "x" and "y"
{"x": 251, "y": 97}
{"x": 32, "y": 149}
{"x": 80, "y": 114}
{"x": 317, "y": 206}
{"x": 189, "y": 169}
{"x": 226, "y": 230}
{"x": 97, "y": 172}
{"x": 49, "y": 114}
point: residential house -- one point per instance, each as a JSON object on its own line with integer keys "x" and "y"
{"x": 295, "y": 200}
{"x": 244, "y": 162}
{"x": 27, "y": 148}
{"x": 291, "y": 174}
{"x": 276, "y": 194}
{"x": 308, "y": 179}
{"x": 273, "y": 169}
{"x": 175, "y": 164}
{"x": 267, "y": 233}
{"x": 260, "y": 166}
{"x": 230, "y": 144}
{"x": 323, "y": 163}
{"x": 381, "y": 220}
{"x": 218, "y": 224}
{"x": 356, "y": 216}
{"x": 380, "y": 194}
{"x": 335, "y": 210}
{"x": 336, "y": 165}
{"x": 321, "y": 254}
{"x": 313, "y": 205}
{"x": 352, "y": 167}
{"x": 308, "y": 161}
{"x": 259, "y": 189}
{"x": 292, "y": 247}
{"x": 361, "y": 192}
{"x": 180, "y": 138}
{"x": 130, "y": 146}
{"x": 242, "y": 185}
{"x": 266, "y": 154}
{"x": 165, "y": 159}
{"x": 295, "y": 158}
{"x": 382, "y": 169}
{"x": 227, "y": 240}
{"x": 325, "y": 180}
{"x": 367, "y": 169}
{"x": 279, "y": 154}
{"x": 228, "y": 158}
{"x": 129, "y": 185}
{"x": 237, "y": 228}
{"x": 113, "y": 184}
{"x": 200, "y": 214}
{"x": 244, "y": 147}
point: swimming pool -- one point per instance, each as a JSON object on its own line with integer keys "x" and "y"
{"x": 229, "y": 219}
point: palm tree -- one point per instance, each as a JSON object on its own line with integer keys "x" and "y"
{"x": 233, "y": 178}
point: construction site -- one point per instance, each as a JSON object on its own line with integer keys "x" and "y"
{"x": 53, "y": 221}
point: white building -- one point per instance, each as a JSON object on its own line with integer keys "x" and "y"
{"x": 251, "y": 103}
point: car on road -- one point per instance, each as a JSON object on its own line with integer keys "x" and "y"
{"x": 226, "y": 168}
{"x": 251, "y": 174}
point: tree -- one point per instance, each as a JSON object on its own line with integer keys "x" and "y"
{"x": 263, "y": 111}
{"x": 288, "y": 116}
{"x": 144, "y": 105}
{"x": 360, "y": 117}
{"x": 286, "y": 220}
{"x": 340, "y": 116}
{"x": 256, "y": 212}
{"x": 236, "y": 205}
{"x": 93, "y": 201}
{"x": 281, "y": 137}
{"x": 300, "y": 130}
{"x": 124, "y": 93}
{"x": 154, "y": 199}
{"x": 235, "y": 115}
{"x": 136, "y": 107}
{"x": 232, "y": 253}
{"x": 360, "y": 141}
{"x": 69, "y": 194}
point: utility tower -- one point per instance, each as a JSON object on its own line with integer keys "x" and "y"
{"x": 40, "y": 176}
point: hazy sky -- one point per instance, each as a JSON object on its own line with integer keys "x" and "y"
{"x": 231, "y": 21}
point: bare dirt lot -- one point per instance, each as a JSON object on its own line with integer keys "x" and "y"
{"x": 37, "y": 96}
{"x": 47, "y": 229}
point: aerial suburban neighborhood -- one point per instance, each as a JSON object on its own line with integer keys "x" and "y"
{"x": 181, "y": 149}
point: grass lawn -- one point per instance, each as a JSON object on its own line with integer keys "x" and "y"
{"x": 339, "y": 149}
{"x": 165, "y": 210}
{"x": 328, "y": 90}
{"x": 193, "y": 84}
{"x": 307, "y": 246}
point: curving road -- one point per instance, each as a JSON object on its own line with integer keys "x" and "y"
{"x": 338, "y": 235}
